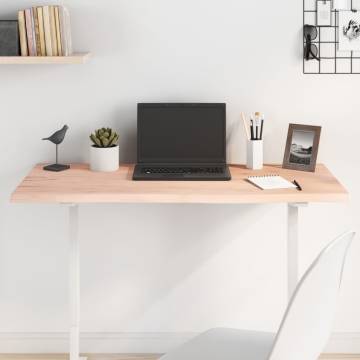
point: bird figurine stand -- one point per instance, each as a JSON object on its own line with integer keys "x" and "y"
{"x": 57, "y": 138}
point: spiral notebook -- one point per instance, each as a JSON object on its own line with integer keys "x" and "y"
{"x": 271, "y": 182}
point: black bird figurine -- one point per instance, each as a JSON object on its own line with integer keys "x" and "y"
{"x": 57, "y": 138}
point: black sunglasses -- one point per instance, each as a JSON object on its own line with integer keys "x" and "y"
{"x": 310, "y": 49}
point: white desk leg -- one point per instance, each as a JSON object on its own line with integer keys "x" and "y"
{"x": 293, "y": 246}
{"x": 74, "y": 282}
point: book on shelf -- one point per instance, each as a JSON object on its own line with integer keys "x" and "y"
{"x": 53, "y": 31}
{"x": 65, "y": 31}
{"x": 22, "y": 34}
{"x": 45, "y": 31}
{"x": 30, "y": 32}
{"x": 41, "y": 31}
{"x": 36, "y": 30}
{"x": 58, "y": 34}
{"x": 32, "y": 24}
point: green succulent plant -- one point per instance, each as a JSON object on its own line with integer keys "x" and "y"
{"x": 104, "y": 138}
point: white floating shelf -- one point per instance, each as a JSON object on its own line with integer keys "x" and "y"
{"x": 76, "y": 58}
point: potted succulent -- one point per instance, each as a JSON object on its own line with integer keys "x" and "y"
{"x": 104, "y": 151}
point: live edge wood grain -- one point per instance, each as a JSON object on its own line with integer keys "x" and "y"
{"x": 80, "y": 185}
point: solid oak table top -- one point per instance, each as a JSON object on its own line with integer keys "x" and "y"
{"x": 80, "y": 185}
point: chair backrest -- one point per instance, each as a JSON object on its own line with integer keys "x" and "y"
{"x": 307, "y": 322}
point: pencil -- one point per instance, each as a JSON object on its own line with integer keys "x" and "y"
{"x": 245, "y": 126}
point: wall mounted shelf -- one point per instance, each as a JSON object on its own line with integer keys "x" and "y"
{"x": 76, "y": 58}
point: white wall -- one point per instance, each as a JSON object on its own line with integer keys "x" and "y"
{"x": 168, "y": 269}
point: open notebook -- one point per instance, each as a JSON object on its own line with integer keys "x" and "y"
{"x": 270, "y": 182}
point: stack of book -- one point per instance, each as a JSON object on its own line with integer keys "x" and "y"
{"x": 45, "y": 31}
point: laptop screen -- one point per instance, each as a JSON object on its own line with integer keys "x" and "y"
{"x": 182, "y": 133}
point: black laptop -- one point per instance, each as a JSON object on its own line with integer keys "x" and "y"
{"x": 182, "y": 142}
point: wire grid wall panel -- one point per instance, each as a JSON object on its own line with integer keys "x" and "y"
{"x": 332, "y": 61}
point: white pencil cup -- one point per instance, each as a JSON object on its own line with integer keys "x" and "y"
{"x": 255, "y": 154}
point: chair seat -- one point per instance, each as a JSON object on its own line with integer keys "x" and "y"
{"x": 225, "y": 344}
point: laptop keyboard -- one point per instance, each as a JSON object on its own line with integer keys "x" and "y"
{"x": 183, "y": 170}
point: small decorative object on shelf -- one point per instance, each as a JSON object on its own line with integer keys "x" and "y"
{"x": 9, "y": 38}
{"x": 57, "y": 138}
{"x": 104, "y": 153}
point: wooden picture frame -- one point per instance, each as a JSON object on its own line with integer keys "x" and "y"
{"x": 302, "y": 147}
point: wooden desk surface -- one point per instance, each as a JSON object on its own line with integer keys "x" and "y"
{"x": 80, "y": 185}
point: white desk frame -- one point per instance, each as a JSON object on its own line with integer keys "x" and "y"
{"x": 74, "y": 281}
{"x": 74, "y": 267}
{"x": 79, "y": 185}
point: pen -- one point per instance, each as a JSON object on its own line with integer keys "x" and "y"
{"x": 252, "y": 129}
{"x": 298, "y": 185}
{"x": 261, "y": 128}
{"x": 257, "y": 123}
{"x": 257, "y": 114}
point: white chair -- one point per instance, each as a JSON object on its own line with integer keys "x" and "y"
{"x": 305, "y": 327}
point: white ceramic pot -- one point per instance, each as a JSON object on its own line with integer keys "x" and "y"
{"x": 104, "y": 159}
{"x": 255, "y": 153}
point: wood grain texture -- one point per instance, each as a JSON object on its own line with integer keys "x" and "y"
{"x": 80, "y": 185}
{"x": 136, "y": 356}
{"x": 77, "y": 58}
{"x": 89, "y": 356}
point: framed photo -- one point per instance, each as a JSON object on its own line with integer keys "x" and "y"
{"x": 302, "y": 147}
